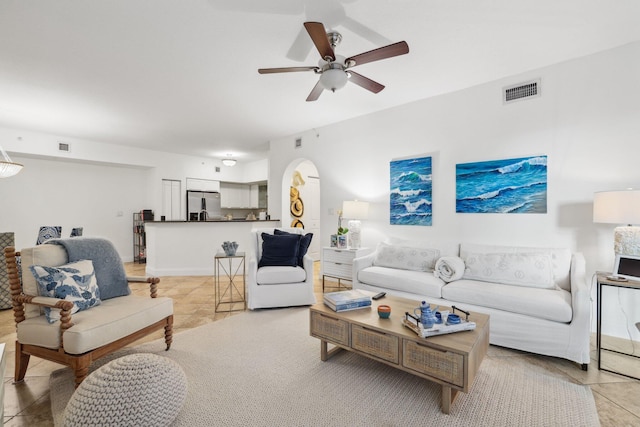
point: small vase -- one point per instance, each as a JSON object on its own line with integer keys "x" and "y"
{"x": 230, "y": 248}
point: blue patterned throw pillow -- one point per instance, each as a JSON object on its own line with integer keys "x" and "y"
{"x": 75, "y": 282}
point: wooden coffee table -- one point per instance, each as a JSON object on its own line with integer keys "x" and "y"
{"x": 450, "y": 360}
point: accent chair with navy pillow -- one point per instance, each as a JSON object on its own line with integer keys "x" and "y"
{"x": 277, "y": 274}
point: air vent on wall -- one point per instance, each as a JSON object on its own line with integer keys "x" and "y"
{"x": 521, "y": 91}
{"x": 63, "y": 146}
{"x": 298, "y": 143}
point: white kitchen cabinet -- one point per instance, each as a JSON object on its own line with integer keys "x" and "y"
{"x": 202, "y": 184}
{"x": 254, "y": 193}
{"x": 171, "y": 199}
{"x": 233, "y": 195}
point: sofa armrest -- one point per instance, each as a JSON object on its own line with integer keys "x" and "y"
{"x": 307, "y": 264}
{"x": 252, "y": 271}
{"x": 360, "y": 264}
{"x": 580, "y": 292}
{"x": 64, "y": 306}
{"x": 44, "y": 301}
{"x": 152, "y": 281}
{"x": 581, "y": 306}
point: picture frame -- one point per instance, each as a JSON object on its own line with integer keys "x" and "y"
{"x": 342, "y": 241}
{"x": 627, "y": 266}
{"x": 334, "y": 240}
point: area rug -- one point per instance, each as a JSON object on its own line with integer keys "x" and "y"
{"x": 261, "y": 368}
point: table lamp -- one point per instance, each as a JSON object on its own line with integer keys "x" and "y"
{"x": 355, "y": 210}
{"x": 620, "y": 207}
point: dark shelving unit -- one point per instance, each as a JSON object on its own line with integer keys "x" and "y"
{"x": 139, "y": 239}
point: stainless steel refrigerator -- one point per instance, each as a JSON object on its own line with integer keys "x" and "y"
{"x": 203, "y": 205}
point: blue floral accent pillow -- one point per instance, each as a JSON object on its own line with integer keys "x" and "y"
{"x": 75, "y": 282}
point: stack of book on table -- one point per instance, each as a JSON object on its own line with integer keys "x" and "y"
{"x": 347, "y": 300}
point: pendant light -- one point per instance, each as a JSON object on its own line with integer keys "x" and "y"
{"x": 7, "y": 167}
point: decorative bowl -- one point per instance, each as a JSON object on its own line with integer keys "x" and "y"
{"x": 453, "y": 319}
{"x": 384, "y": 311}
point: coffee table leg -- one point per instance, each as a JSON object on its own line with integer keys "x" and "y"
{"x": 448, "y": 396}
{"x": 325, "y": 354}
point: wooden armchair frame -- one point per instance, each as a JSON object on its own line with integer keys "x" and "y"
{"x": 78, "y": 362}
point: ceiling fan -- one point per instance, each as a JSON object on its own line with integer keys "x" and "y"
{"x": 335, "y": 70}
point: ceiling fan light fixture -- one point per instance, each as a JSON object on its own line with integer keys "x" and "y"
{"x": 333, "y": 79}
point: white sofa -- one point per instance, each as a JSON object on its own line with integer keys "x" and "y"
{"x": 545, "y": 312}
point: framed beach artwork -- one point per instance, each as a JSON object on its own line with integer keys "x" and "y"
{"x": 411, "y": 191}
{"x": 502, "y": 186}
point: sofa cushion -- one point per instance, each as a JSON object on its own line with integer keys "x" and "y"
{"x": 279, "y": 250}
{"x": 550, "y": 304}
{"x": 416, "y": 282}
{"x": 280, "y": 275}
{"x": 49, "y": 255}
{"x": 406, "y": 257}
{"x": 561, "y": 258}
{"x": 303, "y": 243}
{"x": 521, "y": 269}
{"x": 75, "y": 282}
{"x": 111, "y": 320}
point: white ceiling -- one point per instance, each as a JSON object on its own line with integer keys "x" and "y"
{"x": 181, "y": 76}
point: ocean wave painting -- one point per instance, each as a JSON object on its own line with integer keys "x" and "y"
{"x": 502, "y": 186}
{"x": 410, "y": 197}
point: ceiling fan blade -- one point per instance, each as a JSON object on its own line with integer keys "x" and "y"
{"x": 319, "y": 36}
{"x": 365, "y": 82}
{"x": 315, "y": 92}
{"x": 385, "y": 52}
{"x": 286, "y": 70}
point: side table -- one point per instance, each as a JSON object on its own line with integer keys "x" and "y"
{"x": 228, "y": 292}
{"x": 338, "y": 263}
{"x": 603, "y": 281}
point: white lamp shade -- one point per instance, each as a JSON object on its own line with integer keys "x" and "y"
{"x": 354, "y": 209}
{"x": 617, "y": 207}
{"x": 229, "y": 162}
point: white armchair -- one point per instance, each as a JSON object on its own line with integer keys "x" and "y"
{"x": 277, "y": 286}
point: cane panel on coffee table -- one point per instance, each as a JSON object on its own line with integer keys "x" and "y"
{"x": 450, "y": 360}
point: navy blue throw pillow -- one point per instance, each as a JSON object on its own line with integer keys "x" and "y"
{"x": 279, "y": 250}
{"x": 305, "y": 241}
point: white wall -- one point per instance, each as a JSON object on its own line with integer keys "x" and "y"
{"x": 99, "y": 198}
{"x": 91, "y": 184}
{"x": 587, "y": 122}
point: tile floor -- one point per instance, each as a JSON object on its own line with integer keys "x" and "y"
{"x": 27, "y": 403}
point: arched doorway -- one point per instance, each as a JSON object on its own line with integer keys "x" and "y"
{"x": 301, "y": 201}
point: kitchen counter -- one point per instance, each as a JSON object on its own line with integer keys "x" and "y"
{"x": 213, "y": 220}
{"x": 187, "y": 248}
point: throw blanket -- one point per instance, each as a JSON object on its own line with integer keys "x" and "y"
{"x": 449, "y": 268}
{"x": 110, "y": 274}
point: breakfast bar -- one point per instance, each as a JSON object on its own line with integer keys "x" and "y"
{"x": 187, "y": 248}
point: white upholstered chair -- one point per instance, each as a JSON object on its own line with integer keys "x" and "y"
{"x": 277, "y": 286}
{"x": 76, "y": 339}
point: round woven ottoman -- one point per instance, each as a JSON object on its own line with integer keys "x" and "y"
{"x": 135, "y": 390}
